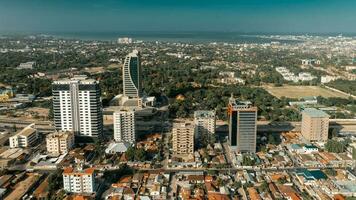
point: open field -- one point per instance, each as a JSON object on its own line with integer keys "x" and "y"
{"x": 302, "y": 91}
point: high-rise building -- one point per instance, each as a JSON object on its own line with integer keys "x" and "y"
{"x": 315, "y": 124}
{"x": 59, "y": 142}
{"x": 79, "y": 181}
{"x": 24, "y": 138}
{"x": 124, "y": 126}
{"x": 242, "y": 126}
{"x": 183, "y": 138}
{"x": 205, "y": 122}
{"x": 131, "y": 74}
{"x": 77, "y": 106}
{"x": 124, "y": 40}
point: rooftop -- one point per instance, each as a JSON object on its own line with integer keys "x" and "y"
{"x": 312, "y": 174}
{"x": 235, "y": 104}
{"x": 82, "y": 79}
{"x": 310, "y": 146}
{"x": 60, "y": 134}
{"x": 71, "y": 170}
{"x": 204, "y": 114}
{"x": 182, "y": 124}
{"x": 312, "y": 112}
{"x": 27, "y": 131}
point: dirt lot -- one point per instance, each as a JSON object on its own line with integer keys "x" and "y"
{"x": 22, "y": 187}
{"x": 302, "y": 91}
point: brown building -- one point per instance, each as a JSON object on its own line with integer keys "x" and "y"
{"x": 59, "y": 142}
{"x": 183, "y": 138}
{"x": 315, "y": 125}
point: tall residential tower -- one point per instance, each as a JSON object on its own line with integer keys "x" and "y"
{"x": 77, "y": 106}
{"x": 183, "y": 138}
{"x": 242, "y": 126}
{"x": 124, "y": 126}
{"x": 205, "y": 123}
{"x": 315, "y": 124}
{"x": 131, "y": 74}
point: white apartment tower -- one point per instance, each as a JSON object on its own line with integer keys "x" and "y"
{"x": 75, "y": 181}
{"x": 59, "y": 142}
{"x": 124, "y": 126}
{"x": 131, "y": 74}
{"x": 205, "y": 122}
{"x": 77, "y": 106}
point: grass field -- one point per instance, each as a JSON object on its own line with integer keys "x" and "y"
{"x": 302, "y": 91}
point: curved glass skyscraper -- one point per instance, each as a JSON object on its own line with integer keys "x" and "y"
{"x": 131, "y": 74}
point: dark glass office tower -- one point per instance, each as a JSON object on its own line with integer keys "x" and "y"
{"x": 131, "y": 74}
{"x": 242, "y": 126}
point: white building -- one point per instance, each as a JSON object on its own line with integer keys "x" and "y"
{"x": 305, "y": 76}
{"x": 205, "y": 122}
{"x": 289, "y": 76}
{"x": 75, "y": 181}
{"x": 77, "y": 106}
{"x": 327, "y": 79}
{"x": 26, "y": 65}
{"x": 228, "y": 77}
{"x": 25, "y": 138}
{"x": 59, "y": 142}
{"x": 311, "y": 62}
{"x": 124, "y": 40}
{"x": 124, "y": 126}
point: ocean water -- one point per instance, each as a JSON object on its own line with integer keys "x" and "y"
{"x": 186, "y": 37}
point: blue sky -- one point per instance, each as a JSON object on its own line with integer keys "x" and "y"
{"x": 285, "y": 16}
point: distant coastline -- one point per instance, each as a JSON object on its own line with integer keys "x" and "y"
{"x": 185, "y": 37}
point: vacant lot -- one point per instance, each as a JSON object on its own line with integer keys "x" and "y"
{"x": 302, "y": 91}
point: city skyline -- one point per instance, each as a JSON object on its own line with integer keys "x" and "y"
{"x": 177, "y": 99}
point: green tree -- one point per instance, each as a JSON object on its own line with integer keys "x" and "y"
{"x": 335, "y": 146}
{"x": 55, "y": 182}
{"x": 248, "y": 160}
{"x": 264, "y": 187}
{"x": 330, "y": 172}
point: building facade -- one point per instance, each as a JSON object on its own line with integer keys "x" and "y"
{"x": 183, "y": 138}
{"x": 59, "y": 142}
{"x": 79, "y": 181}
{"x": 25, "y": 138}
{"x": 124, "y": 126}
{"x": 131, "y": 74}
{"x": 315, "y": 125}
{"x": 77, "y": 106}
{"x": 205, "y": 123}
{"x": 242, "y": 126}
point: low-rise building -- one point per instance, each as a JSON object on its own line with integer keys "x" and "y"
{"x": 60, "y": 142}
{"x": 26, "y": 65}
{"x": 79, "y": 181}
{"x": 25, "y": 138}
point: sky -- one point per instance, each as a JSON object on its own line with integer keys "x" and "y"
{"x": 273, "y": 16}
